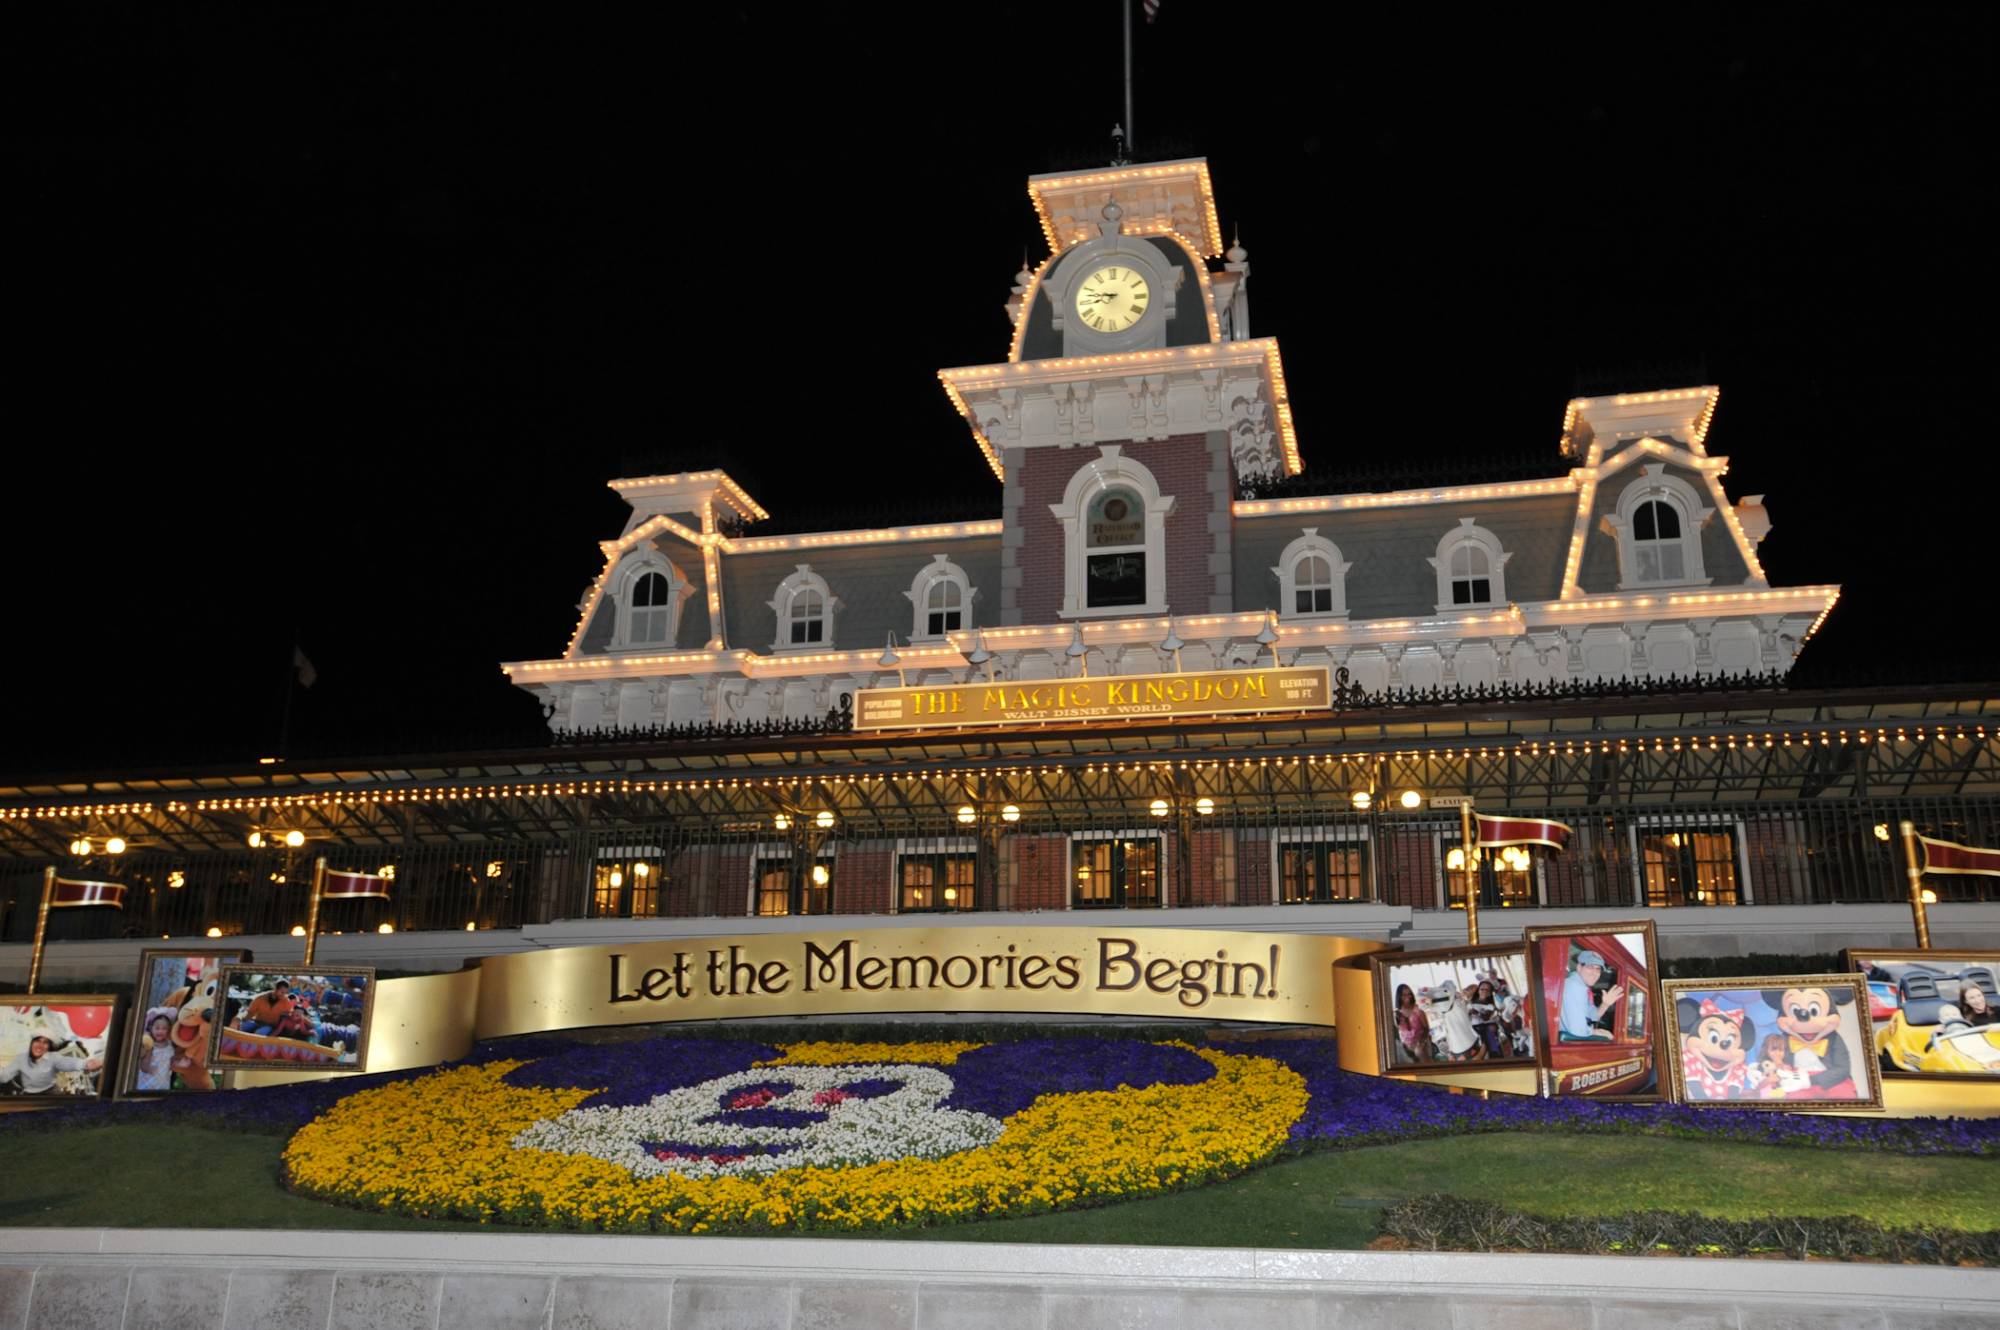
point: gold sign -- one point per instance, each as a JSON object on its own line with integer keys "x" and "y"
{"x": 1137, "y": 971}
{"x": 1132, "y": 696}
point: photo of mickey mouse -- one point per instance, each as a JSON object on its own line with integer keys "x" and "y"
{"x": 1795, "y": 1042}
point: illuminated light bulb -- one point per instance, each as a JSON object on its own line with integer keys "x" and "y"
{"x": 298, "y": 930}
{"x": 820, "y": 875}
{"x": 1882, "y": 831}
{"x": 951, "y": 893}
{"x": 388, "y": 871}
{"x": 823, "y": 819}
{"x": 1929, "y": 897}
{"x": 967, "y": 815}
{"x": 385, "y": 928}
{"x": 176, "y": 880}
{"x": 1454, "y": 860}
{"x": 295, "y": 838}
{"x": 1159, "y": 807}
{"x": 1362, "y": 800}
{"x": 1411, "y": 799}
{"x": 1204, "y": 805}
{"x": 641, "y": 870}
{"x": 494, "y": 868}
{"x": 116, "y": 845}
{"x": 617, "y": 878}
{"x": 1011, "y": 813}
{"x": 781, "y": 822}
{"x": 79, "y": 847}
{"x": 471, "y": 927}
{"x": 213, "y": 931}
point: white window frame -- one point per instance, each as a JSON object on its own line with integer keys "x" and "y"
{"x": 1296, "y": 553}
{"x": 939, "y": 569}
{"x": 1655, "y": 484}
{"x": 1469, "y": 532}
{"x": 1445, "y": 840}
{"x": 1112, "y": 469}
{"x": 924, "y": 847}
{"x": 626, "y": 584}
{"x": 1316, "y": 835}
{"x": 1156, "y": 832}
{"x": 1671, "y": 822}
{"x": 805, "y": 579}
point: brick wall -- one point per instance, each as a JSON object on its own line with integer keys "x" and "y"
{"x": 1181, "y": 465}
{"x": 861, "y": 879}
{"x": 1043, "y": 863}
{"x": 1410, "y": 863}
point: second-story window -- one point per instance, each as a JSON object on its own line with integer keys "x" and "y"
{"x": 652, "y": 608}
{"x": 805, "y": 609}
{"x": 1656, "y": 542}
{"x": 1471, "y": 568}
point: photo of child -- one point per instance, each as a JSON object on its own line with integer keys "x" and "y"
{"x": 1794, "y": 1042}
{"x": 1445, "y": 1008}
{"x": 292, "y": 1019}
{"x": 179, "y": 987}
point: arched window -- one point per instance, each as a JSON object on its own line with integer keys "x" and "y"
{"x": 1658, "y": 529}
{"x": 650, "y": 592}
{"x": 804, "y": 608}
{"x": 1114, "y": 533}
{"x": 941, "y": 596}
{"x": 1312, "y": 578}
{"x": 1471, "y": 568}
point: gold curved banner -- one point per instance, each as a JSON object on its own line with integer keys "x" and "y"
{"x": 1280, "y": 978}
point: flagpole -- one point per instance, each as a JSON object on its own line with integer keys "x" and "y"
{"x": 1470, "y": 843}
{"x": 1913, "y": 866}
{"x": 1125, "y": 9}
{"x": 312, "y": 910}
{"x": 41, "y": 928}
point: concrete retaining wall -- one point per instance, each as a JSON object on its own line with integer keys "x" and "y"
{"x": 124, "y": 1279}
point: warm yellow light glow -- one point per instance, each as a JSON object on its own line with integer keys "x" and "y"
{"x": 823, "y": 819}
{"x": 1011, "y": 813}
{"x": 1454, "y": 859}
{"x": 1159, "y": 808}
{"x": 951, "y": 893}
{"x": 256, "y": 839}
{"x": 820, "y": 876}
{"x": 494, "y": 868}
{"x": 295, "y": 838}
{"x": 213, "y": 931}
{"x": 176, "y": 880}
{"x": 1882, "y": 831}
{"x": 617, "y": 878}
{"x": 471, "y": 927}
{"x": 967, "y": 815}
{"x": 1362, "y": 799}
{"x": 116, "y": 845}
{"x": 387, "y": 871}
{"x": 298, "y": 930}
{"x": 1411, "y": 799}
{"x": 641, "y": 870}
{"x": 781, "y": 822}
{"x": 79, "y": 846}
{"x": 1204, "y": 805}
{"x": 385, "y": 928}
{"x": 1930, "y": 897}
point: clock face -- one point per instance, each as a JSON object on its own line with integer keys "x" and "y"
{"x": 1112, "y": 299}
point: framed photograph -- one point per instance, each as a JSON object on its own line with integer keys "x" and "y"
{"x": 1936, "y": 1013}
{"x": 1596, "y": 1009}
{"x": 56, "y": 1046}
{"x": 296, "y": 1019}
{"x": 170, "y": 1040}
{"x": 1447, "y": 1010}
{"x": 1799, "y": 1042}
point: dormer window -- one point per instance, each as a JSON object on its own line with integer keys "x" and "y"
{"x": 1658, "y": 529}
{"x": 649, "y": 594}
{"x": 1312, "y": 579}
{"x": 1471, "y": 568}
{"x": 941, "y": 597}
{"x": 804, "y": 608}
{"x": 1114, "y": 522}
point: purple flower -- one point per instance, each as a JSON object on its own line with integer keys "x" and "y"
{"x": 637, "y": 1071}
{"x": 1000, "y": 1080}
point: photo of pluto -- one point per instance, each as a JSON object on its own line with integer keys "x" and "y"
{"x": 1800, "y": 1042}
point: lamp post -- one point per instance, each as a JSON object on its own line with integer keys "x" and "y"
{"x": 1470, "y": 842}
{"x": 808, "y": 834}
{"x": 1913, "y": 867}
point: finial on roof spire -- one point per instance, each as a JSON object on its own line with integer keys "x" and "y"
{"x": 1236, "y": 252}
{"x": 1112, "y": 215}
{"x": 1118, "y": 157}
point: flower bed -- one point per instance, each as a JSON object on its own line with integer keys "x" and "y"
{"x": 1010, "y": 1129}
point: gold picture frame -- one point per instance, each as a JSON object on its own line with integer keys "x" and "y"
{"x": 148, "y": 994}
{"x": 1940, "y": 1050}
{"x": 75, "y": 1024}
{"x": 303, "y": 1025}
{"x": 1620, "y": 1064}
{"x": 1387, "y": 983}
{"x": 1744, "y": 1015}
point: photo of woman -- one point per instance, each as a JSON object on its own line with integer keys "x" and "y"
{"x": 55, "y": 1048}
{"x": 1795, "y": 1042}
{"x": 1443, "y": 1009}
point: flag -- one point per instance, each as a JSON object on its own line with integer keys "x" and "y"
{"x": 1152, "y": 8}
{"x": 354, "y": 886}
{"x": 303, "y": 668}
{"x": 70, "y": 892}
{"x": 1942, "y": 856}
{"x": 1498, "y": 830}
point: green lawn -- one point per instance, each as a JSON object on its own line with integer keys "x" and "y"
{"x": 180, "y": 1176}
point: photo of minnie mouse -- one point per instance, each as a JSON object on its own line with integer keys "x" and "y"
{"x": 1794, "y": 1042}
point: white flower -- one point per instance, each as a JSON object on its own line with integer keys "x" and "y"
{"x": 905, "y": 1123}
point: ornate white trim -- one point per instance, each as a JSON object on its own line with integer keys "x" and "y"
{"x": 1112, "y": 468}
{"x": 1310, "y": 543}
{"x": 1469, "y": 533}
{"x": 1655, "y": 485}
{"x": 939, "y": 569}
{"x": 805, "y": 579}
{"x": 643, "y": 562}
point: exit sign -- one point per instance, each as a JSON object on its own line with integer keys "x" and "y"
{"x": 1450, "y": 800}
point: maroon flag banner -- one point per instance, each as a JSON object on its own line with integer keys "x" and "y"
{"x": 1498, "y": 830}
{"x": 354, "y": 886}
{"x": 1943, "y": 856}
{"x": 72, "y": 892}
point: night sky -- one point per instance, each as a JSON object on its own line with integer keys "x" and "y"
{"x": 335, "y": 321}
